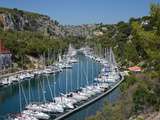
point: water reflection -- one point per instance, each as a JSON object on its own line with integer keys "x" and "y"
{"x": 38, "y": 89}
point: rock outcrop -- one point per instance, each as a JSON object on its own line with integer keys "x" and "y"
{"x": 20, "y": 20}
{"x": 13, "y": 19}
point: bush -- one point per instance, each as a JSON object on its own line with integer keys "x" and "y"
{"x": 129, "y": 81}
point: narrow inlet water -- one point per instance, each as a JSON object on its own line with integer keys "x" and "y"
{"x": 41, "y": 89}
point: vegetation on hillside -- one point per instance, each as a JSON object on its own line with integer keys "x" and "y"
{"x": 136, "y": 42}
{"x": 16, "y": 11}
{"x": 22, "y": 43}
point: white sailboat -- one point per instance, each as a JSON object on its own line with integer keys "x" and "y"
{"x": 22, "y": 116}
{"x": 63, "y": 99}
{"x": 35, "y": 110}
{"x": 71, "y": 51}
{"x": 36, "y": 114}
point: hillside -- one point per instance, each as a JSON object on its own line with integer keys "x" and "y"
{"x": 19, "y": 20}
{"x": 38, "y": 33}
{"x": 14, "y": 19}
{"x": 136, "y": 42}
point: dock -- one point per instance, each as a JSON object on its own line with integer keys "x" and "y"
{"x": 90, "y": 102}
{"x": 14, "y": 73}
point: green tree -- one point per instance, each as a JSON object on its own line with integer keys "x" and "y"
{"x": 155, "y": 16}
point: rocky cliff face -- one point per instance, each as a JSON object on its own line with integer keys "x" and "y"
{"x": 13, "y": 19}
{"x": 20, "y": 20}
{"x": 80, "y": 30}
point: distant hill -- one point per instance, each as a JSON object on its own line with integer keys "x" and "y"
{"x": 19, "y": 20}
{"x": 14, "y": 19}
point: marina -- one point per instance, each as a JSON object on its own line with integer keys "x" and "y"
{"x": 79, "y": 89}
{"x": 90, "y": 102}
{"x": 79, "y": 60}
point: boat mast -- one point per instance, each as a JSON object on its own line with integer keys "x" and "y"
{"x": 92, "y": 62}
{"x": 29, "y": 84}
{"x": 25, "y": 98}
{"x": 78, "y": 74}
{"x": 81, "y": 74}
{"x": 54, "y": 88}
{"x": 50, "y": 88}
{"x": 43, "y": 87}
{"x": 86, "y": 73}
{"x": 38, "y": 89}
{"x": 20, "y": 99}
{"x": 71, "y": 80}
{"x": 105, "y": 56}
{"x": 66, "y": 81}
{"x": 43, "y": 90}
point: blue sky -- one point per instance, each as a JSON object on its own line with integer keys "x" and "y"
{"x": 84, "y": 11}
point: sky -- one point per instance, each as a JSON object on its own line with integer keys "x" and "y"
{"x": 75, "y": 12}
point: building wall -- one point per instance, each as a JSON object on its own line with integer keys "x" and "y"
{"x": 5, "y": 60}
{"x": 5, "y": 56}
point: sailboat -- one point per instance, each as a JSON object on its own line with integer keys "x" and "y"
{"x": 57, "y": 108}
{"x": 71, "y": 51}
{"x": 71, "y": 55}
{"x": 76, "y": 95}
{"x": 63, "y": 99}
{"x": 22, "y": 116}
{"x": 36, "y": 114}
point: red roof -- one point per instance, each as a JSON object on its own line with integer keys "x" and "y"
{"x": 135, "y": 68}
{"x": 2, "y": 48}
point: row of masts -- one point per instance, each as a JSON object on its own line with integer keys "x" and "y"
{"x": 109, "y": 57}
